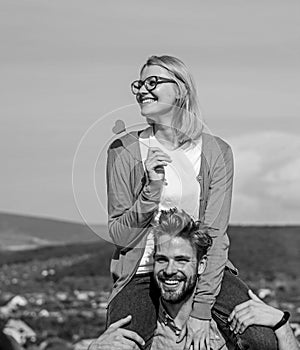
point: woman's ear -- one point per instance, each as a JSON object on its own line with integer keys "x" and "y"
{"x": 202, "y": 265}
{"x": 181, "y": 95}
{"x": 178, "y": 92}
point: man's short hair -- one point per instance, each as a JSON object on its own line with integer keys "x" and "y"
{"x": 177, "y": 223}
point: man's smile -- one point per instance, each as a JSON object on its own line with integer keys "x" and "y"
{"x": 171, "y": 283}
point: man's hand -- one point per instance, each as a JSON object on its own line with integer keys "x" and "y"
{"x": 117, "y": 338}
{"x": 253, "y": 311}
{"x": 197, "y": 333}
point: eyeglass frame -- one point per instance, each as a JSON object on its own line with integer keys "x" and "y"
{"x": 142, "y": 82}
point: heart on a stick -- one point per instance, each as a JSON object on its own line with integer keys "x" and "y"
{"x": 119, "y": 127}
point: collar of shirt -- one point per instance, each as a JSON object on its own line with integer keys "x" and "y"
{"x": 168, "y": 320}
{"x": 216, "y": 339}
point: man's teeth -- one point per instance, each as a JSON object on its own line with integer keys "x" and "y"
{"x": 171, "y": 282}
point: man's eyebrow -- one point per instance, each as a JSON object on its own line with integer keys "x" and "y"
{"x": 183, "y": 257}
{"x": 159, "y": 255}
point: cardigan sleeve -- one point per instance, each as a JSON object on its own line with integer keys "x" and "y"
{"x": 128, "y": 216}
{"x": 216, "y": 217}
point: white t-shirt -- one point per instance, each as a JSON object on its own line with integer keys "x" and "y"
{"x": 181, "y": 189}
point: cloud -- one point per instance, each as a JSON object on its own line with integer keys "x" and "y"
{"x": 267, "y": 177}
{"x": 284, "y": 183}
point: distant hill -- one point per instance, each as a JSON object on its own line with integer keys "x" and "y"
{"x": 265, "y": 249}
{"x": 18, "y": 232}
{"x": 254, "y": 249}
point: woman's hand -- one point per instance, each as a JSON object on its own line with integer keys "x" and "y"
{"x": 197, "y": 333}
{"x": 155, "y": 162}
{"x": 253, "y": 312}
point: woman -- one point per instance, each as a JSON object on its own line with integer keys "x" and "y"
{"x": 172, "y": 163}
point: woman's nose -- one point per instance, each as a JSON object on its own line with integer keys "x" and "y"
{"x": 143, "y": 90}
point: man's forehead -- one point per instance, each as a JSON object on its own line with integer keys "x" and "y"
{"x": 173, "y": 245}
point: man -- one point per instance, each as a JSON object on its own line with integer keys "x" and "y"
{"x": 180, "y": 259}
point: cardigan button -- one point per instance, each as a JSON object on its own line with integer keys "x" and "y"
{"x": 199, "y": 178}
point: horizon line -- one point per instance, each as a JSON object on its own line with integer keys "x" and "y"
{"x": 73, "y": 221}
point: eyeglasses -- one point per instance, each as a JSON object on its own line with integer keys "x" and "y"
{"x": 150, "y": 83}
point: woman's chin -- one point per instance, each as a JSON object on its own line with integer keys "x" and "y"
{"x": 148, "y": 115}
{"x": 145, "y": 111}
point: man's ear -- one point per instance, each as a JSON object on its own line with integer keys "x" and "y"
{"x": 202, "y": 265}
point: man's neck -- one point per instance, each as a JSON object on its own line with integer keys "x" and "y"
{"x": 179, "y": 311}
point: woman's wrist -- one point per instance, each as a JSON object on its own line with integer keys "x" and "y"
{"x": 282, "y": 320}
{"x": 282, "y": 330}
{"x": 277, "y": 316}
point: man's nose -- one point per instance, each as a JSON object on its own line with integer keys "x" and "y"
{"x": 170, "y": 268}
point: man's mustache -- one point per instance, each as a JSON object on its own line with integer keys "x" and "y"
{"x": 162, "y": 276}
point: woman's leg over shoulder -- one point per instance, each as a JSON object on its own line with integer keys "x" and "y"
{"x": 139, "y": 299}
{"x": 233, "y": 292}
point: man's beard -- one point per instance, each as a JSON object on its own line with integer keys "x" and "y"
{"x": 175, "y": 295}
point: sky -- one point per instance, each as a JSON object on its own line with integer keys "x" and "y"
{"x": 66, "y": 68}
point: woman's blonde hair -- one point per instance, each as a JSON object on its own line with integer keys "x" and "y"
{"x": 187, "y": 124}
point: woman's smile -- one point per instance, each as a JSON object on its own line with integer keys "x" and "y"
{"x": 145, "y": 100}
